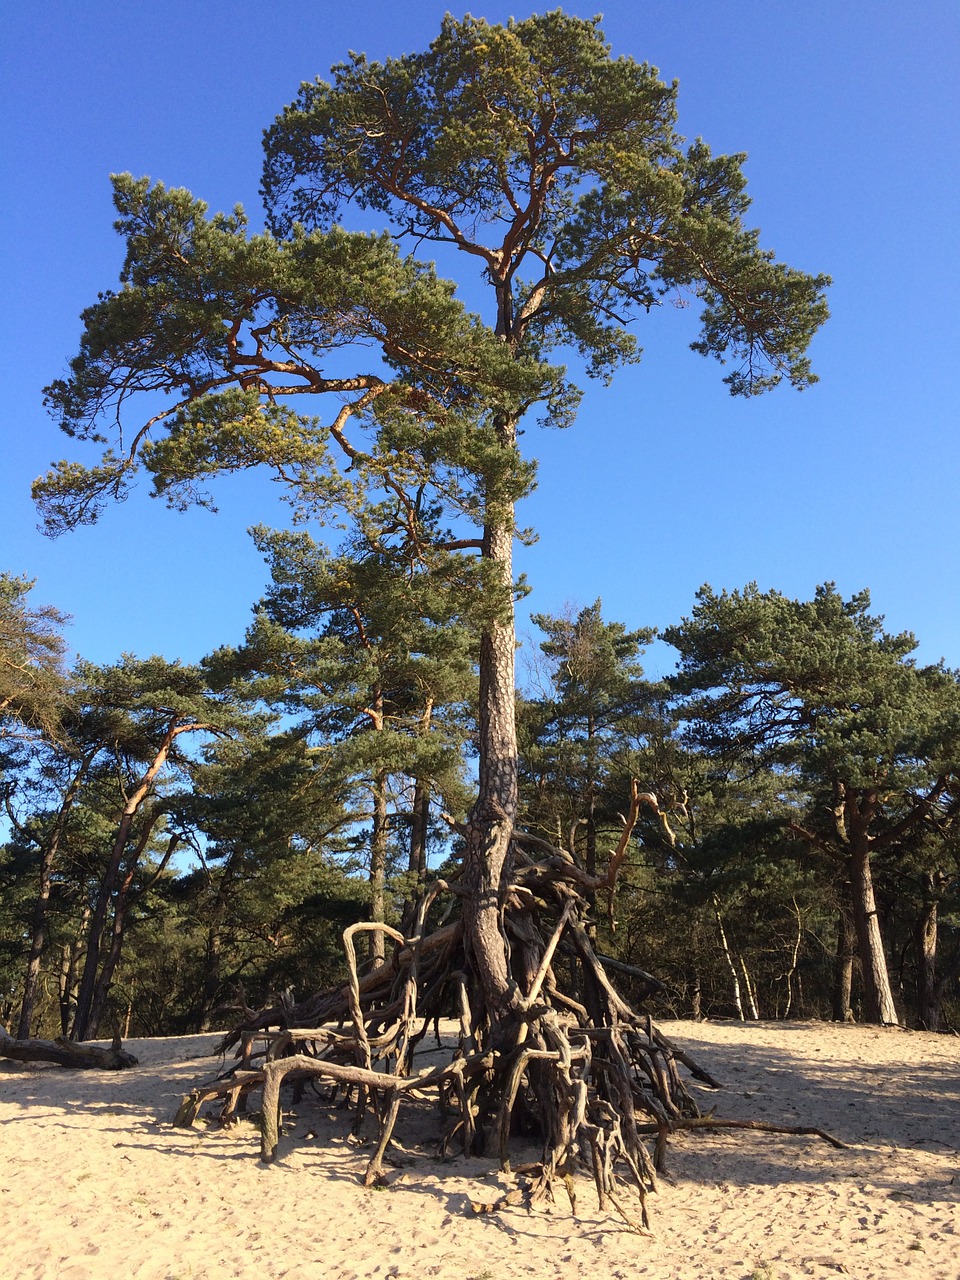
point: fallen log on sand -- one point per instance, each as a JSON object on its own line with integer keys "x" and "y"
{"x": 67, "y": 1053}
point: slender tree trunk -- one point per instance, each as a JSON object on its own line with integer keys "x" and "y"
{"x": 591, "y": 859}
{"x": 843, "y": 962}
{"x": 211, "y": 979}
{"x": 878, "y": 1000}
{"x": 696, "y": 1012}
{"x": 925, "y": 943}
{"x": 794, "y": 954}
{"x": 419, "y": 827}
{"x": 108, "y": 884}
{"x": 734, "y": 976}
{"x": 591, "y": 826}
{"x": 749, "y": 988}
{"x": 104, "y": 978}
{"x": 38, "y": 937}
{"x": 70, "y": 960}
{"x": 378, "y": 864}
{"x": 491, "y": 822}
{"x": 120, "y": 913}
{"x": 98, "y": 920}
{"x": 420, "y": 813}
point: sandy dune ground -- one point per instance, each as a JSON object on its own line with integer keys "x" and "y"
{"x": 95, "y": 1182}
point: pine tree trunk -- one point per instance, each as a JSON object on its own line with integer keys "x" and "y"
{"x": 38, "y": 938}
{"x": 491, "y": 822}
{"x": 211, "y": 979}
{"x": 925, "y": 942}
{"x": 105, "y": 977}
{"x": 843, "y": 964}
{"x": 378, "y": 864}
{"x": 419, "y": 827}
{"x": 88, "y": 981}
{"x": 878, "y": 1000}
{"x": 591, "y": 850}
{"x": 70, "y": 960}
{"x": 734, "y": 976}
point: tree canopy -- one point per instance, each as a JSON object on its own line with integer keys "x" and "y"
{"x": 559, "y": 168}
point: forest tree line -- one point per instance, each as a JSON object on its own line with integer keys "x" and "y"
{"x": 187, "y": 841}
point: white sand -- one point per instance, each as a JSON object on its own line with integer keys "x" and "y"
{"x": 95, "y": 1182}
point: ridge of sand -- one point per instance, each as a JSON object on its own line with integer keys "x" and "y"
{"x": 95, "y": 1181}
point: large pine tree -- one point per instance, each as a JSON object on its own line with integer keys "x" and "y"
{"x": 556, "y": 170}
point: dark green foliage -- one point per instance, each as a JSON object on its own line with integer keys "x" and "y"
{"x": 575, "y": 736}
{"x": 815, "y": 682}
{"x": 374, "y": 657}
{"x": 219, "y": 330}
{"x": 570, "y": 160}
{"x": 33, "y": 683}
{"x": 94, "y": 804}
{"x": 818, "y": 693}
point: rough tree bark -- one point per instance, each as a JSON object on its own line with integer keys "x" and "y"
{"x": 878, "y": 999}
{"x": 843, "y": 961}
{"x": 66, "y": 1053}
{"x": 925, "y": 944}
{"x": 378, "y": 863}
{"x": 490, "y": 827}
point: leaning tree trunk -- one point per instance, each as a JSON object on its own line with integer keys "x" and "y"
{"x": 878, "y": 999}
{"x": 728, "y": 956}
{"x": 121, "y": 910}
{"x": 83, "y": 1015}
{"x": 108, "y": 885}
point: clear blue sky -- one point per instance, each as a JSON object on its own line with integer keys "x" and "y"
{"x": 850, "y": 114}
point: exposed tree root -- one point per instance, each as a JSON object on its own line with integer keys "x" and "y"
{"x": 567, "y": 1059}
{"x": 759, "y": 1126}
{"x": 561, "y": 1056}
